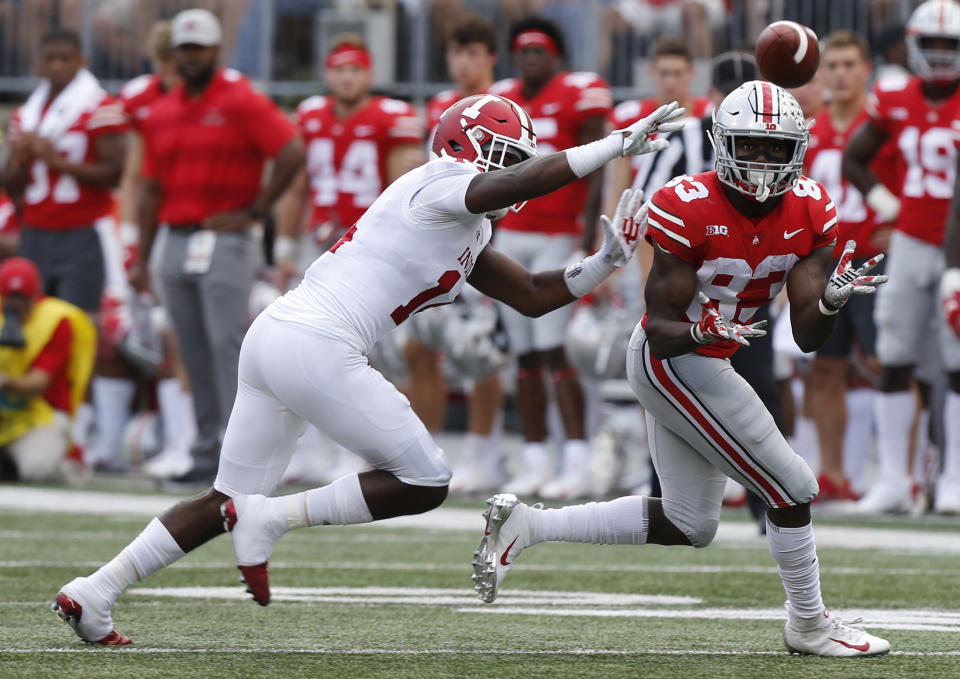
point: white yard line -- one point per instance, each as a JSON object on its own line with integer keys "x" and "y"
{"x": 730, "y": 533}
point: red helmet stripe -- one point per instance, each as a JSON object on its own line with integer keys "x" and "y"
{"x": 767, "y": 108}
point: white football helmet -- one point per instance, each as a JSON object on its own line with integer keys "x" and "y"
{"x": 388, "y": 355}
{"x": 596, "y": 341}
{"x": 428, "y": 325}
{"x": 759, "y": 109}
{"x": 934, "y": 19}
{"x": 474, "y": 340}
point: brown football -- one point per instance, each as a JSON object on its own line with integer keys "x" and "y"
{"x": 787, "y": 53}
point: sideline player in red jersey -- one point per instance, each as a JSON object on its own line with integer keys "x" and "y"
{"x": 567, "y": 109}
{"x": 415, "y": 247}
{"x": 725, "y": 243}
{"x": 471, "y": 58}
{"x": 357, "y": 144}
{"x": 921, "y": 114}
{"x": 68, "y": 146}
{"x": 845, "y": 62}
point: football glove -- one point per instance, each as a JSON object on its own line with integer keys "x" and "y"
{"x": 846, "y": 281}
{"x": 639, "y": 137}
{"x": 622, "y": 235}
{"x": 950, "y": 298}
{"x": 713, "y": 327}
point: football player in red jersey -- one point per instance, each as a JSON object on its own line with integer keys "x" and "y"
{"x": 672, "y": 72}
{"x": 921, "y": 115}
{"x": 304, "y": 358}
{"x": 567, "y": 109}
{"x": 846, "y": 70}
{"x": 725, "y": 243}
{"x": 471, "y": 58}
{"x": 357, "y": 144}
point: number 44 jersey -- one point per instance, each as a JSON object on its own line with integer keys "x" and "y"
{"x": 742, "y": 262}
{"x": 411, "y": 250}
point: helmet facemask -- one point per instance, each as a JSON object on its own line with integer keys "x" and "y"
{"x": 934, "y": 62}
{"x": 759, "y": 180}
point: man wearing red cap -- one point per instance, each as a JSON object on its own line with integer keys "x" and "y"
{"x": 567, "y": 109}
{"x": 47, "y": 347}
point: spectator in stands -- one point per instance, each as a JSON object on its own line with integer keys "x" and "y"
{"x": 205, "y": 147}
{"x": 695, "y": 19}
{"x": 47, "y": 349}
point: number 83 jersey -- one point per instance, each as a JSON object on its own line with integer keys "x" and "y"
{"x": 411, "y": 250}
{"x": 742, "y": 262}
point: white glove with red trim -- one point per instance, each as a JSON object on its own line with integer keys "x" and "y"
{"x": 713, "y": 327}
{"x": 950, "y": 298}
{"x": 845, "y": 281}
{"x": 622, "y": 235}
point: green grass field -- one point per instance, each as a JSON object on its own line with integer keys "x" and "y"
{"x": 396, "y": 602}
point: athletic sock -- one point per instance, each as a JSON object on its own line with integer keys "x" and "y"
{"x": 807, "y": 444}
{"x": 150, "y": 551}
{"x": 894, "y": 413}
{"x": 339, "y": 504}
{"x": 576, "y": 457}
{"x": 921, "y": 446}
{"x": 112, "y": 402}
{"x": 796, "y": 555}
{"x": 623, "y": 521}
{"x": 951, "y": 455}
{"x": 168, "y": 398}
{"x": 859, "y": 436}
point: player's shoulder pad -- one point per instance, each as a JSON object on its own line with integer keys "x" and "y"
{"x": 501, "y": 87}
{"x": 895, "y": 82}
{"x": 626, "y": 112}
{"x": 136, "y": 86}
{"x": 396, "y": 106}
{"x": 314, "y": 103}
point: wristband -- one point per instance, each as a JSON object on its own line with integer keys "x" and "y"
{"x": 883, "y": 202}
{"x": 284, "y": 247}
{"x": 696, "y": 334}
{"x": 586, "y": 158}
{"x": 825, "y": 310}
{"x": 583, "y": 276}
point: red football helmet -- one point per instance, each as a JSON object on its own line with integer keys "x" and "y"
{"x": 483, "y": 129}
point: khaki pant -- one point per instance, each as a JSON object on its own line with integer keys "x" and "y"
{"x": 40, "y": 454}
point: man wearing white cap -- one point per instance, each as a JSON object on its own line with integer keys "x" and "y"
{"x": 205, "y": 146}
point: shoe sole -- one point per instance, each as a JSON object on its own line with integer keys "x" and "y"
{"x": 256, "y": 577}
{"x": 499, "y": 509}
{"x": 796, "y": 651}
{"x": 70, "y": 612}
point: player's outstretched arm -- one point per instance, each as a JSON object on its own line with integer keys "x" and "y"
{"x": 534, "y": 294}
{"x": 495, "y": 190}
{"x": 861, "y": 149}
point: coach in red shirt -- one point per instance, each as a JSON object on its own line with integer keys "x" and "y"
{"x": 205, "y": 147}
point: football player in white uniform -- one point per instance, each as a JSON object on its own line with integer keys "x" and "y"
{"x": 725, "y": 243}
{"x": 303, "y": 359}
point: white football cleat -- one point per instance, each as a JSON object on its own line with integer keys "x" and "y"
{"x": 505, "y": 535}
{"x": 885, "y": 497}
{"x": 81, "y": 605}
{"x": 254, "y": 526}
{"x": 572, "y": 484}
{"x": 947, "y": 500}
{"x": 169, "y": 464}
{"x": 833, "y": 638}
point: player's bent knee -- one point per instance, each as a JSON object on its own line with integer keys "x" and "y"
{"x": 702, "y": 533}
{"x": 697, "y": 528}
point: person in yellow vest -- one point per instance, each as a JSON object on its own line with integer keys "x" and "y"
{"x": 47, "y": 350}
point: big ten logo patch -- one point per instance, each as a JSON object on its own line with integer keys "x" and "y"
{"x": 716, "y": 230}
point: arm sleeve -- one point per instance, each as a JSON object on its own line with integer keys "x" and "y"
{"x": 54, "y": 356}
{"x": 667, "y": 229}
{"x": 442, "y": 202}
{"x": 108, "y": 118}
{"x": 265, "y": 124}
{"x": 823, "y": 215}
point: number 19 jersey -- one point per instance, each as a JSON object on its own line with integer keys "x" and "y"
{"x": 926, "y": 135}
{"x": 411, "y": 250}
{"x": 742, "y": 262}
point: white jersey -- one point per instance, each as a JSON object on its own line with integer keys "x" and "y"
{"x": 411, "y": 250}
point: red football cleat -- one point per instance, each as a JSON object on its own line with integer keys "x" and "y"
{"x": 255, "y": 577}
{"x": 71, "y": 612}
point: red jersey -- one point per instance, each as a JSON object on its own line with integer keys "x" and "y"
{"x": 440, "y": 103}
{"x": 742, "y": 262}
{"x": 347, "y": 159}
{"x": 59, "y": 202}
{"x": 629, "y": 112}
{"x": 558, "y": 111}
{"x": 855, "y": 220}
{"x": 138, "y": 95}
{"x": 208, "y": 152}
{"x": 925, "y": 135}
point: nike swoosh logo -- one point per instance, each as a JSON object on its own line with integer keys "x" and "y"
{"x": 503, "y": 557}
{"x": 791, "y": 234}
{"x": 863, "y": 648}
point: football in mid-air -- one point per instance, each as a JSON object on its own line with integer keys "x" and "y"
{"x": 787, "y": 53}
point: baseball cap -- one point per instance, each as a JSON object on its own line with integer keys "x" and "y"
{"x": 730, "y": 70}
{"x": 195, "y": 27}
{"x": 19, "y": 276}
